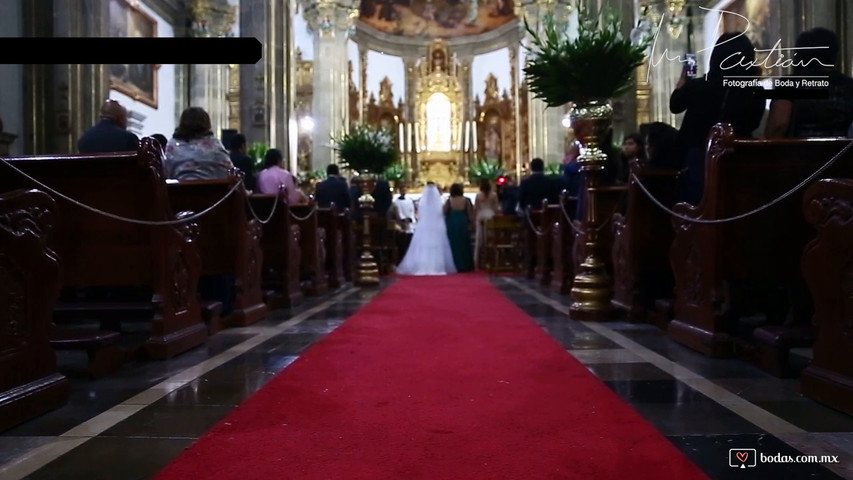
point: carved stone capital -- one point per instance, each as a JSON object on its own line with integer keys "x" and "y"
{"x": 328, "y": 18}
{"x": 535, "y": 10}
{"x": 212, "y": 18}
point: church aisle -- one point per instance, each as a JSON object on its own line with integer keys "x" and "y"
{"x": 144, "y": 440}
{"x": 402, "y": 390}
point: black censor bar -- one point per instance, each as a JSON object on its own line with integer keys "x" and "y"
{"x": 127, "y": 50}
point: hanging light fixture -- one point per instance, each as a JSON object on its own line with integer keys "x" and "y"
{"x": 673, "y": 11}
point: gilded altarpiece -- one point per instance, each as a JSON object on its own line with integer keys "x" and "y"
{"x": 495, "y": 126}
{"x": 438, "y": 117}
{"x": 385, "y": 113}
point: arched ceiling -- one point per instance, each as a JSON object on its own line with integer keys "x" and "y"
{"x": 426, "y": 19}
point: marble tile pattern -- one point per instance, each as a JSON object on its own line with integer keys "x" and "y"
{"x": 143, "y": 416}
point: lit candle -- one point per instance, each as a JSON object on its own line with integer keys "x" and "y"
{"x": 401, "y": 133}
{"x": 466, "y": 136}
{"x": 474, "y": 135}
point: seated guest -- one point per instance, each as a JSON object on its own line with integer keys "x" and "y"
{"x": 242, "y": 161}
{"x": 633, "y": 150}
{"x": 663, "y": 150}
{"x": 161, "y": 139}
{"x": 571, "y": 169}
{"x": 194, "y": 153}
{"x": 382, "y": 197}
{"x": 273, "y": 177}
{"x": 332, "y": 190}
{"x": 826, "y": 117}
{"x": 508, "y": 196}
{"x": 110, "y": 134}
{"x": 537, "y": 187}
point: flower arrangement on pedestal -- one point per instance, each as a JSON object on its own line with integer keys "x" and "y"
{"x": 597, "y": 64}
{"x": 367, "y": 149}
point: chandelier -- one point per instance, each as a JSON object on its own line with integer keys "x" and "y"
{"x": 674, "y": 13}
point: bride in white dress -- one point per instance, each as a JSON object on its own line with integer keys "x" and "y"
{"x": 429, "y": 252}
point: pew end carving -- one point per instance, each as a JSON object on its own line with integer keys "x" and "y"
{"x": 30, "y": 383}
{"x": 827, "y": 264}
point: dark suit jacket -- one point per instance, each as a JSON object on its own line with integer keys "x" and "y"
{"x": 535, "y": 188}
{"x": 382, "y": 196}
{"x": 246, "y": 165}
{"x": 106, "y": 136}
{"x": 332, "y": 190}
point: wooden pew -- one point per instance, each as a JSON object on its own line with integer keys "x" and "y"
{"x": 30, "y": 278}
{"x": 328, "y": 220}
{"x": 741, "y": 175}
{"x": 229, "y": 241}
{"x": 281, "y": 251}
{"x": 562, "y": 245}
{"x": 349, "y": 251}
{"x": 100, "y": 251}
{"x": 827, "y": 265}
{"x": 545, "y": 220}
{"x": 312, "y": 245}
{"x": 641, "y": 242}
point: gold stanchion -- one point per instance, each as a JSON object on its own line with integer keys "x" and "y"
{"x": 367, "y": 272}
{"x": 592, "y": 289}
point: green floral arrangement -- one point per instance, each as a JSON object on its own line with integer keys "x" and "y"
{"x": 598, "y": 64}
{"x": 485, "y": 169}
{"x": 367, "y": 149}
{"x": 257, "y": 152}
{"x": 396, "y": 172}
{"x": 554, "y": 169}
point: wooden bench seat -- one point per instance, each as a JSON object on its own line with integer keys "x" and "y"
{"x": 827, "y": 264}
{"x": 709, "y": 261}
{"x": 642, "y": 238}
{"x": 98, "y": 251}
{"x": 30, "y": 383}
{"x": 282, "y": 255}
{"x": 229, "y": 242}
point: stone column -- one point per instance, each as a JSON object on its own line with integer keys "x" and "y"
{"x": 331, "y": 22}
{"x": 547, "y": 133}
{"x": 362, "y": 68}
{"x": 465, "y": 80}
{"x": 78, "y": 90}
{"x": 267, "y": 91}
{"x": 209, "y": 84}
{"x": 516, "y": 110}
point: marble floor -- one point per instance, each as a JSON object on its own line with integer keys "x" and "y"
{"x": 131, "y": 424}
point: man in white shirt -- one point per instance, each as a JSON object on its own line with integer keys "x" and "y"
{"x": 405, "y": 209}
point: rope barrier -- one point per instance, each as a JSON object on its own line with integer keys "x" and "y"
{"x": 714, "y": 221}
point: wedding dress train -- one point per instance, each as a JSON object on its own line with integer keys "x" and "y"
{"x": 429, "y": 252}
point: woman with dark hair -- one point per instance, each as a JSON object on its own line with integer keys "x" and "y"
{"x": 830, "y": 116}
{"x": 633, "y": 150}
{"x": 663, "y": 150}
{"x": 193, "y": 153}
{"x": 707, "y": 101}
{"x": 459, "y": 213}
{"x": 486, "y": 207}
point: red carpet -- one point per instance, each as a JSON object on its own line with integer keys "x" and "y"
{"x": 437, "y": 378}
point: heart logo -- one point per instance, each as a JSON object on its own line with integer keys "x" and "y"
{"x": 742, "y": 456}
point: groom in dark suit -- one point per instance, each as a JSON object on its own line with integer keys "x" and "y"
{"x": 537, "y": 187}
{"x": 333, "y": 190}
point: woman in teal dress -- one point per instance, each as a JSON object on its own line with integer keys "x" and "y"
{"x": 459, "y": 213}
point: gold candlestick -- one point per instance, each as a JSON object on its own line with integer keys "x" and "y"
{"x": 367, "y": 272}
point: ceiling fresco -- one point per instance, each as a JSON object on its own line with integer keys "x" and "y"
{"x": 436, "y": 18}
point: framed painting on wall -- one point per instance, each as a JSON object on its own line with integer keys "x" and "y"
{"x": 138, "y": 82}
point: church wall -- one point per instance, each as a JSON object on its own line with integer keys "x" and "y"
{"x": 145, "y": 120}
{"x": 496, "y": 63}
{"x": 11, "y": 81}
{"x": 380, "y": 66}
